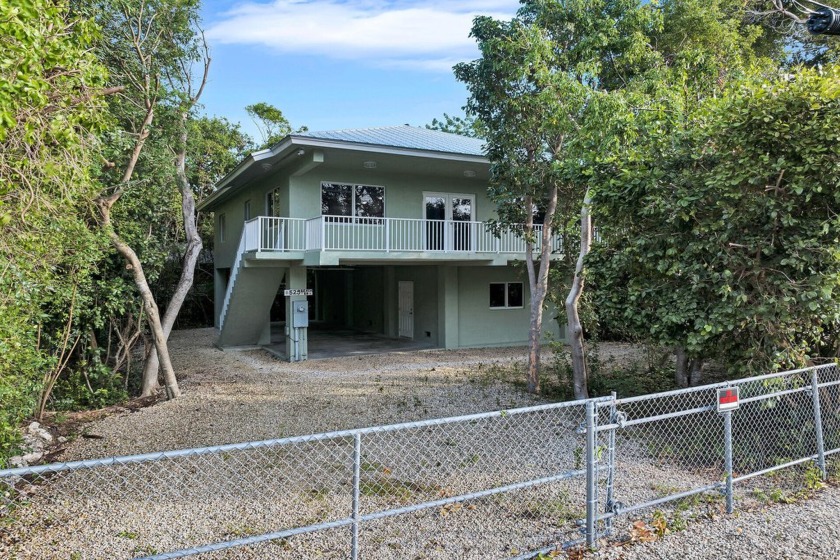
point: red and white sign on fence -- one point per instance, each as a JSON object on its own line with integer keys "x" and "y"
{"x": 727, "y": 399}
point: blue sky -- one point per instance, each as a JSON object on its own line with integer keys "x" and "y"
{"x": 331, "y": 64}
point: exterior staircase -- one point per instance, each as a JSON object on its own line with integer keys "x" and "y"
{"x": 250, "y": 292}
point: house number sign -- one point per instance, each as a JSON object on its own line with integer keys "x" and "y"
{"x": 299, "y": 292}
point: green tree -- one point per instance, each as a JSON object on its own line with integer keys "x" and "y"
{"x": 215, "y": 146}
{"x": 149, "y": 45}
{"x": 51, "y": 90}
{"x": 464, "y": 126}
{"x": 700, "y": 52}
{"x": 271, "y": 123}
{"x": 186, "y": 88}
{"x": 539, "y": 90}
{"x": 725, "y": 243}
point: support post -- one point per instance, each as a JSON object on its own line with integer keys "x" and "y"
{"x": 448, "y": 313}
{"x": 727, "y": 435}
{"x": 357, "y": 472}
{"x": 815, "y": 397}
{"x": 610, "y": 501}
{"x": 297, "y": 348}
{"x": 591, "y": 482}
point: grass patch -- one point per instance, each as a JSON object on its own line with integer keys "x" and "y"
{"x": 650, "y": 373}
{"x": 559, "y": 511}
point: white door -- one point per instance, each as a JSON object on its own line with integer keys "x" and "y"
{"x": 448, "y": 221}
{"x": 405, "y": 293}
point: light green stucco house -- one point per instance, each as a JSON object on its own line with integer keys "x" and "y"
{"x": 385, "y": 226}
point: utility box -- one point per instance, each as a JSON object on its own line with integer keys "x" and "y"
{"x": 300, "y": 314}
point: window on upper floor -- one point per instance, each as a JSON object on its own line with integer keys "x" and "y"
{"x": 347, "y": 202}
{"x": 246, "y": 210}
{"x": 506, "y": 295}
{"x": 272, "y": 203}
{"x": 222, "y": 232}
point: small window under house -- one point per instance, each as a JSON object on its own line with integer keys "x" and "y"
{"x": 506, "y": 295}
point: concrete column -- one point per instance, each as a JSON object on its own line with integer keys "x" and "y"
{"x": 220, "y": 282}
{"x": 390, "y": 301}
{"x": 349, "y": 296}
{"x": 296, "y": 338}
{"x": 448, "y": 307}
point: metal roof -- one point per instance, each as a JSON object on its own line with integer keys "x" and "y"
{"x": 411, "y": 137}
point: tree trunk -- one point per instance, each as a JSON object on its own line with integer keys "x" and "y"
{"x": 193, "y": 250}
{"x": 689, "y": 371}
{"x": 133, "y": 262}
{"x": 580, "y": 375}
{"x": 194, "y": 245}
{"x": 538, "y": 282}
{"x": 681, "y": 368}
{"x": 532, "y": 376}
{"x": 695, "y": 370}
{"x": 149, "y": 305}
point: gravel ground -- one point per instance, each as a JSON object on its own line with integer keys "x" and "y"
{"x": 125, "y": 511}
{"x": 805, "y": 529}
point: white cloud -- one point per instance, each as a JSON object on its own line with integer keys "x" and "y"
{"x": 425, "y": 34}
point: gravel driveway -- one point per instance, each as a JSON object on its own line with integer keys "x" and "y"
{"x": 250, "y": 396}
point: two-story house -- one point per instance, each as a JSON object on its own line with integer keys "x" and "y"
{"x": 380, "y": 230}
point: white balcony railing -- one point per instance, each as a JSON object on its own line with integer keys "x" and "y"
{"x": 275, "y": 234}
{"x": 341, "y": 233}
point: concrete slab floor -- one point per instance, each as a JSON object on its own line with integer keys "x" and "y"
{"x": 332, "y": 343}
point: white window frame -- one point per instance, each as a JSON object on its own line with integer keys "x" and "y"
{"x": 246, "y": 210}
{"x": 269, "y": 210}
{"x": 353, "y": 218}
{"x": 507, "y": 293}
{"x": 449, "y": 196}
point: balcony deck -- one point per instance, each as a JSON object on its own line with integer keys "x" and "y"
{"x": 331, "y": 240}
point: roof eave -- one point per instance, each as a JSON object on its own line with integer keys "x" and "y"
{"x": 251, "y": 159}
{"x": 292, "y": 141}
{"x": 382, "y": 149}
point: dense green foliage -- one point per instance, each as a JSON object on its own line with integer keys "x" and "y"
{"x": 49, "y": 118}
{"x": 465, "y": 126}
{"x": 72, "y": 89}
{"x": 711, "y": 244}
{"x": 271, "y": 122}
{"x": 723, "y": 235}
{"x": 707, "y": 146}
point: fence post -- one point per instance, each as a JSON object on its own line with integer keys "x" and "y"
{"x": 591, "y": 482}
{"x": 727, "y": 435}
{"x": 609, "y": 505}
{"x": 815, "y": 397}
{"x": 357, "y": 473}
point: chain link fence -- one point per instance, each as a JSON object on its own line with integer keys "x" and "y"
{"x": 514, "y": 474}
{"x": 674, "y": 446}
{"x": 506, "y": 484}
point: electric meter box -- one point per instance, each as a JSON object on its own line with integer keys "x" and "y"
{"x": 300, "y": 314}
